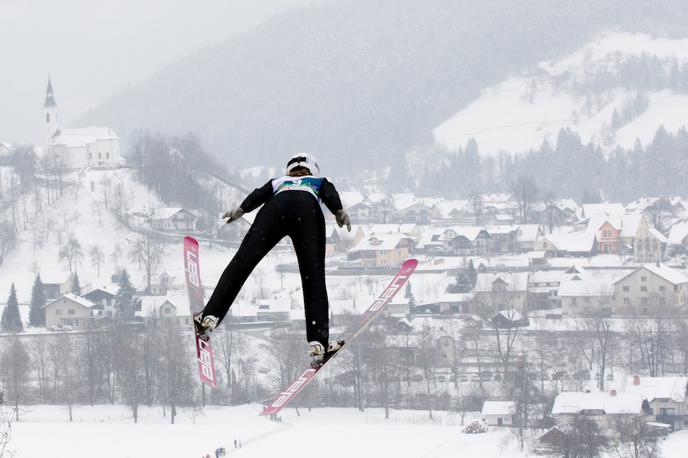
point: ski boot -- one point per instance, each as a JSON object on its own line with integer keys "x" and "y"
{"x": 319, "y": 355}
{"x": 204, "y": 325}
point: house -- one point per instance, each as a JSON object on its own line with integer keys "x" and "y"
{"x": 499, "y": 413}
{"x": 504, "y": 290}
{"x": 173, "y": 219}
{"x": 68, "y": 310}
{"x": 55, "y": 284}
{"x": 607, "y": 209}
{"x": 457, "y": 240}
{"x": 173, "y": 307}
{"x": 341, "y": 240}
{"x": 649, "y": 245}
{"x": 503, "y": 238}
{"x": 6, "y": 149}
{"x": 600, "y": 407}
{"x": 162, "y": 285}
{"x": 575, "y": 244}
{"x": 588, "y": 291}
{"x": 416, "y": 212}
{"x": 103, "y": 299}
{"x": 678, "y": 237}
{"x": 382, "y": 251}
{"x": 666, "y": 397}
{"x": 543, "y": 288}
{"x": 650, "y": 289}
{"x": 511, "y": 318}
{"x": 527, "y": 236}
{"x": 450, "y": 304}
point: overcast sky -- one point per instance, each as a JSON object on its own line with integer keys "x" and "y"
{"x": 93, "y": 48}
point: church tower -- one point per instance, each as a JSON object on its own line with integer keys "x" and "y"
{"x": 50, "y": 112}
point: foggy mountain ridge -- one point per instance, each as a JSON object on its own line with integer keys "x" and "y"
{"x": 354, "y": 85}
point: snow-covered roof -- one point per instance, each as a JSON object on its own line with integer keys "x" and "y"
{"x": 110, "y": 289}
{"x": 528, "y": 232}
{"x": 673, "y": 276}
{"x": 499, "y": 408}
{"x": 455, "y": 297}
{"x": 150, "y": 305}
{"x": 166, "y": 212}
{"x": 54, "y": 277}
{"x": 381, "y": 242}
{"x": 599, "y": 283}
{"x": 350, "y": 198}
{"x": 515, "y": 281}
{"x": 74, "y": 298}
{"x": 607, "y": 209}
{"x": 575, "y": 402}
{"x": 678, "y": 233}
{"x": 658, "y": 235}
{"x": 374, "y": 229}
{"x": 659, "y": 387}
{"x": 573, "y": 242}
{"x": 83, "y": 136}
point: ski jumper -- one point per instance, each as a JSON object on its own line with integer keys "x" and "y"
{"x": 292, "y": 208}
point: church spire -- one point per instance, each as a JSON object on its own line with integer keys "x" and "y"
{"x": 49, "y": 97}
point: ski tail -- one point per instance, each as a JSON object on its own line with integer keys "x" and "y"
{"x": 204, "y": 351}
{"x": 366, "y": 318}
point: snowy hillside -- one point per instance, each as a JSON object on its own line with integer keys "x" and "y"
{"x": 582, "y": 90}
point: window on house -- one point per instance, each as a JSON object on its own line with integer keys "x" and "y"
{"x": 662, "y": 288}
{"x": 107, "y": 155}
{"x": 626, "y": 288}
{"x": 71, "y": 312}
{"x": 90, "y": 155}
{"x": 662, "y": 300}
{"x": 100, "y": 155}
{"x": 643, "y": 300}
{"x": 58, "y": 312}
{"x": 643, "y": 288}
{"x": 627, "y": 301}
{"x": 643, "y": 311}
{"x": 643, "y": 278}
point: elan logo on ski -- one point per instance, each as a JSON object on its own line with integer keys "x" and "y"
{"x": 375, "y": 308}
{"x": 204, "y": 351}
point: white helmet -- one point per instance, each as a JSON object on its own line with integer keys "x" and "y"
{"x": 304, "y": 160}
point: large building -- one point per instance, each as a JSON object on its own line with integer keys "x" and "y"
{"x": 73, "y": 149}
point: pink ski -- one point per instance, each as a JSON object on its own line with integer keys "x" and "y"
{"x": 204, "y": 351}
{"x": 365, "y": 318}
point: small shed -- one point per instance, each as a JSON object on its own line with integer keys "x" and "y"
{"x": 499, "y": 413}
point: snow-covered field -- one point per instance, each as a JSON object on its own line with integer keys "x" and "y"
{"x": 108, "y": 432}
{"x": 521, "y": 112}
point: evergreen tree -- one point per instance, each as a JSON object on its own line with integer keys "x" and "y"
{"x": 37, "y": 314}
{"x": 11, "y": 321}
{"x": 125, "y": 297}
{"x": 472, "y": 273}
{"x": 76, "y": 285}
{"x": 616, "y": 120}
{"x": 463, "y": 283}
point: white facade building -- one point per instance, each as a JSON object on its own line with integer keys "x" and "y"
{"x": 96, "y": 147}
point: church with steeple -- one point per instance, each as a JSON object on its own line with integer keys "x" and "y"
{"x": 77, "y": 148}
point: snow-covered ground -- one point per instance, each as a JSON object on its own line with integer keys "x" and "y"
{"x": 521, "y": 112}
{"x": 108, "y": 432}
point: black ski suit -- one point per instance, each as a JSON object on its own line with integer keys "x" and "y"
{"x": 292, "y": 208}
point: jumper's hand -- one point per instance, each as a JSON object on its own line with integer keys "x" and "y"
{"x": 233, "y": 215}
{"x": 343, "y": 219}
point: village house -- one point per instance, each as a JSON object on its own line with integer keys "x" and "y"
{"x": 103, "y": 299}
{"x": 649, "y": 245}
{"x": 173, "y": 307}
{"x": 588, "y": 291}
{"x": 457, "y": 241}
{"x": 527, "y": 236}
{"x": 572, "y": 244}
{"x": 162, "y": 285}
{"x": 416, "y": 212}
{"x": 666, "y": 397}
{"x": 543, "y": 288}
{"x": 383, "y": 250}
{"x": 600, "y": 407}
{"x": 650, "y": 289}
{"x": 68, "y": 310}
{"x": 498, "y": 291}
{"x": 173, "y": 219}
{"x": 678, "y": 238}
{"x": 338, "y": 239}
{"x": 503, "y": 239}
{"x": 499, "y": 413}
{"x": 55, "y": 284}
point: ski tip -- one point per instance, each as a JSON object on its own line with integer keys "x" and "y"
{"x": 410, "y": 264}
{"x": 190, "y": 239}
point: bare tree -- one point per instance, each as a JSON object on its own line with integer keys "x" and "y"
{"x": 177, "y": 384}
{"x": 97, "y": 257}
{"x": 5, "y": 431}
{"x": 147, "y": 251}
{"x": 71, "y": 251}
{"x": 15, "y": 371}
{"x": 598, "y": 326}
{"x": 477, "y": 206}
{"x": 524, "y": 191}
{"x": 634, "y": 438}
{"x": 581, "y": 438}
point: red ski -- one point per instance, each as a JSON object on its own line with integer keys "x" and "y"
{"x": 204, "y": 351}
{"x": 365, "y": 318}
